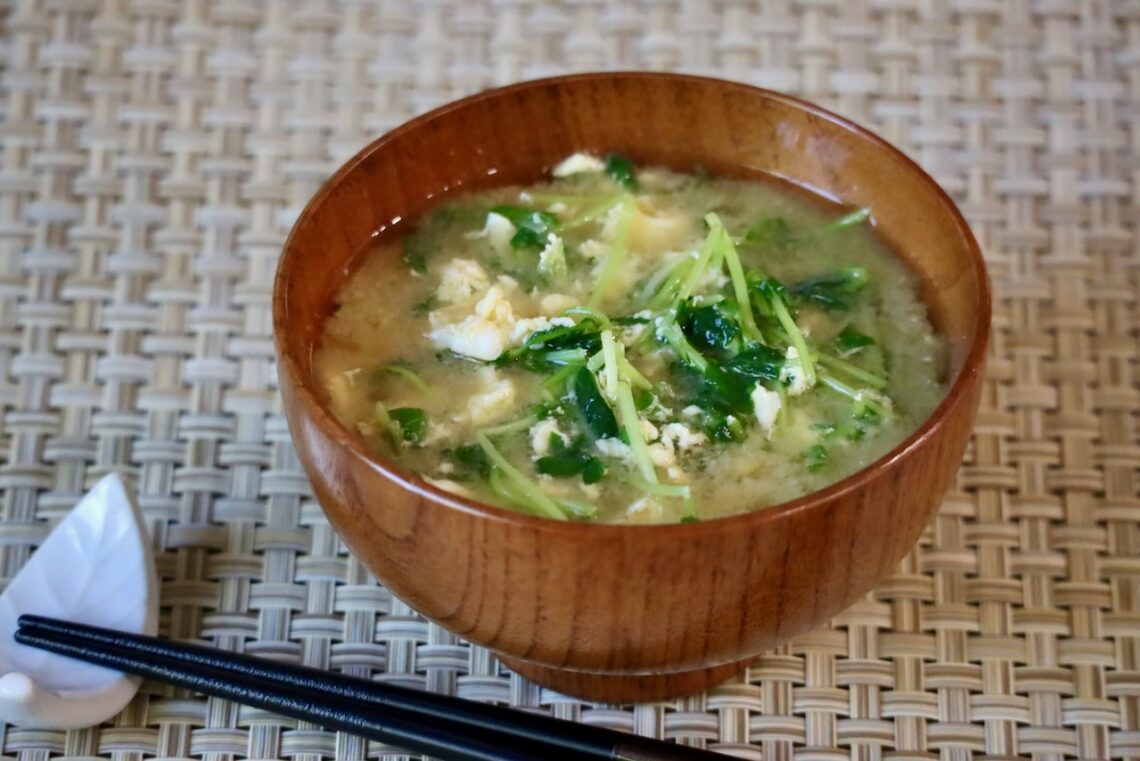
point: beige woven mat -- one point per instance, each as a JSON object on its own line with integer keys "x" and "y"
{"x": 154, "y": 152}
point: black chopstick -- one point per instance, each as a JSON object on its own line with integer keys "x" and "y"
{"x": 440, "y": 739}
{"x": 397, "y": 715}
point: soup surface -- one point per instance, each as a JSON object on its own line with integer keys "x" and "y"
{"x": 633, "y": 345}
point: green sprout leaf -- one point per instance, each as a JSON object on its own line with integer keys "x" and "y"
{"x": 758, "y": 363}
{"x": 471, "y": 457}
{"x": 425, "y": 306}
{"x": 851, "y": 340}
{"x": 595, "y": 411}
{"x": 531, "y": 226}
{"x": 816, "y": 457}
{"x": 834, "y": 291}
{"x": 555, "y": 347}
{"x": 415, "y": 253}
{"x": 710, "y": 328}
{"x": 621, "y": 170}
{"x": 772, "y": 232}
{"x": 412, "y": 422}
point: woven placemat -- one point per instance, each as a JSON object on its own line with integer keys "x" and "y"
{"x": 153, "y": 154}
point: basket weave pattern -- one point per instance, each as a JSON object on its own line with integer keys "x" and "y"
{"x": 153, "y": 154}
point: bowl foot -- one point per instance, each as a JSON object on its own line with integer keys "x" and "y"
{"x": 624, "y": 688}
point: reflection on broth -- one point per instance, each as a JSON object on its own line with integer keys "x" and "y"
{"x": 625, "y": 344}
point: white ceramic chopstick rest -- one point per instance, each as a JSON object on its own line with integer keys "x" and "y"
{"x": 96, "y": 568}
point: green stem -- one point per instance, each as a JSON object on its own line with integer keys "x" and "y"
{"x": 658, "y": 489}
{"x": 615, "y": 257}
{"x": 627, "y": 411}
{"x": 835, "y": 363}
{"x": 739, "y": 284}
{"x": 559, "y": 378}
{"x": 407, "y": 374}
{"x": 658, "y": 291}
{"x": 853, "y": 394}
{"x": 390, "y": 425}
{"x": 796, "y": 337}
{"x": 631, "y": 373}
{"x": 504, "y": 490}
{"x": 610, "y": 363}
{"x": 513, "y": 426}
{"x": 837, "y": 385}
{"x": 669, "y": 330}
{"x": 579, "y": 508}
{"x": 590, "y": 214}
{"x": 597, "y": 316}
{"x": 847, "y": 220}
{"x": 711, "y": 243}
{"x": 527, "y": 490}
{"x": 626, "y": 370}
{"x": 563, "y": 357}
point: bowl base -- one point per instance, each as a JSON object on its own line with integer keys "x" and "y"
{"x": 624, "y": 688}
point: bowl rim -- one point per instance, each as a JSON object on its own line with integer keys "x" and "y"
{"x": 306, "y": 393}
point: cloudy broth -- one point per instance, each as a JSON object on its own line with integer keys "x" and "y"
{"x": 624, "y": 344}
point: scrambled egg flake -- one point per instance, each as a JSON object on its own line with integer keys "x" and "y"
{"x": 492, "y": 329}
{"x": 644, "y": 510}
{"x": 615, "y": 448}
{"x": 792, "y": 372}
{"x": 767, "y": 406}
{"x": 682, "y": 437}
{"x": 498, "y": 231}
{"x": 552, "y": 258}
{"x": 661, "y": 453}
{"x": 461, "y": 279}
{"x": 556, "y": 303}
{"x": 525, "y": 327}
{"x": 540, "y": 434}
{"x": 437, "y": 433}
{"x": 578, "y": 163}
{"x": 494, "y": 404}
{"x": 593, "y": 249}
{"x": 483, "y": 335}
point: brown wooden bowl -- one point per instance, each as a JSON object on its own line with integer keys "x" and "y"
{"x": 612, "y": 612}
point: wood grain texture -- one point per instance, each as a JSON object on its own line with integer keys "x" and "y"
{"x": 627, "y": 601}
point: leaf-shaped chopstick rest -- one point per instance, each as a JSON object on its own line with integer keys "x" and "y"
{"x": 95, "y": 567}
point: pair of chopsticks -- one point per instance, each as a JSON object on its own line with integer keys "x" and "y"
{"x": 438, "y": 725}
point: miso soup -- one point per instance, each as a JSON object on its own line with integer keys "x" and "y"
{"x": 633, "y": 345}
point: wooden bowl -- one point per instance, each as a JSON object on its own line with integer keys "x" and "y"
{"x": 610, "y": 612}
